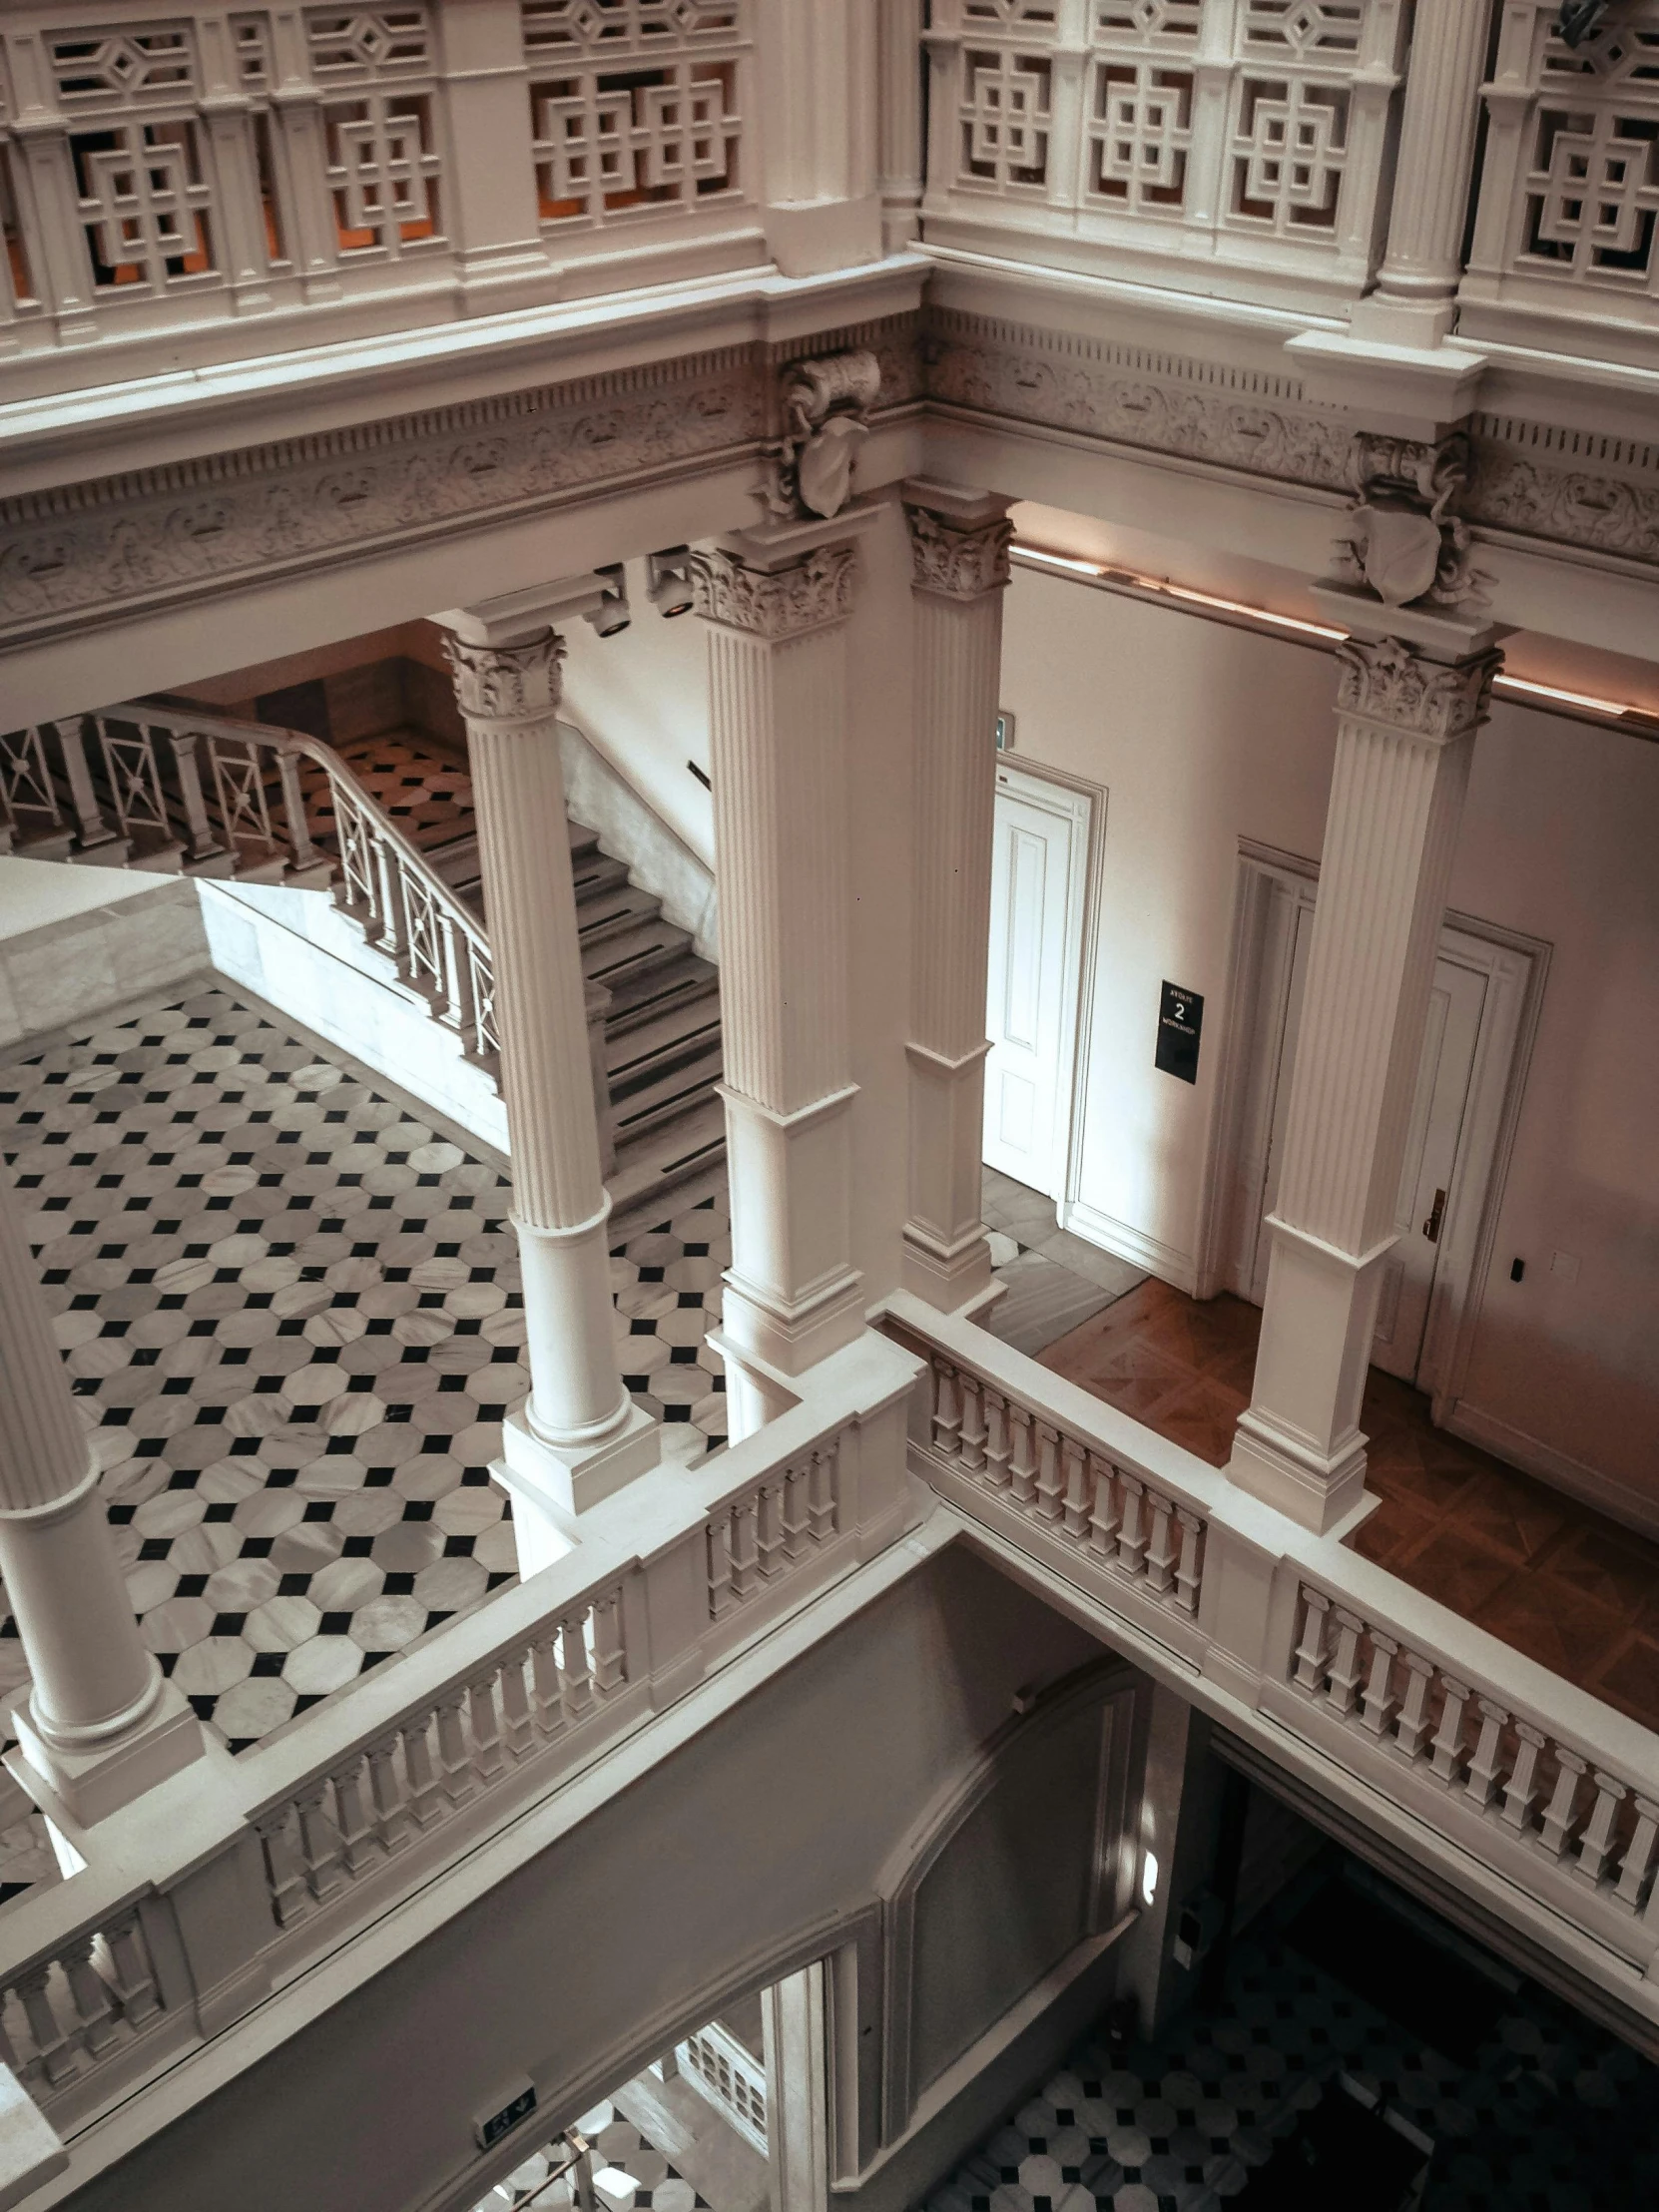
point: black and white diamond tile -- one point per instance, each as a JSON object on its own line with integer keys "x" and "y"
{"x": 293, "y": 1319}
{"x": 1554, "y": 2115}
{"x": 617, "y": 2144}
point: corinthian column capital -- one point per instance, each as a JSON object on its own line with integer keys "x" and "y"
{"x": 959, "y": 539}
{"x": 775, "y": 603}
{"x": 1384, "y": 681}
{"x": 507, "y": 685}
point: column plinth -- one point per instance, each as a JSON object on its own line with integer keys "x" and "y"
{"x": 98, "y": 1725}
{"x": 578, "y": 1436}
{"x": 959, "y": 555}
{"x": 776, "y": 601}
{"x": 1408, "y": 713}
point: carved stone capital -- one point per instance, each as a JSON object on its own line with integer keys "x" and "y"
{"x": 1387, "y": 682}
{"x": 507, "y": 685}
{"x": 956, "y": 560}
{"x": 1405, "y": 542}
{"x": 824, "y": 406}
{"x": 777, "y": 603}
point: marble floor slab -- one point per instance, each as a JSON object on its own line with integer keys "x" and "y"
{"x": 1052, "y": 1281}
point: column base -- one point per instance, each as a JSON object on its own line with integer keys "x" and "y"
{"x": 795, "y": 1334}
{"x": 93, "y": 1783}
{"x": 949, "y": 1276}
{"x": 550, "y": 1484}
{"x": 808, "y": 237}
{"x": 1390, "y": 373}
{"x": 1286, "y": 1471}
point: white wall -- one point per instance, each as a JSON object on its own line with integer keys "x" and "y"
{"x": 77, "y": 940}
{"x": 1204, "y": 734}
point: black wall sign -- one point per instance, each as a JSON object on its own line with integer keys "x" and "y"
{"x": 503, "y": 2122}
{"x": 1180, "y": 1018}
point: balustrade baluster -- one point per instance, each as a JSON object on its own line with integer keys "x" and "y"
{"x": 1131, "y": 1536}
{"x": 425, "y": 1799}
{"x": 518, "y": 1731}
{"x": 824, "y": 1494}
{"x": 320, "y": 1843}
{"x": 1638, "y": 1857}
{"x": 455, "y": 1773}
{"x": 1022, "y": 1466}
{"x": 187, "y": 766}
{"x": 721, "y": 1599}
{"x": 797, "y": 1514}
{"x": 91, "y": 828}
{"x": 1049, "y": 1485}
{"x": 1448, "y": 1748}
{"x": 1595, "y": 1846}
{"x": 610, "y": 1657}
{"x": 578, "y": 1674}
{"x": 1079, "y": 1491}
{"x": 744, "y": 1569}
{"x": 1556, "y": 1824}
{"x": 996, "y": 1438}
{"x": 394, "y": 936}
{"x": 1162, "y": 1551}
{"x": 1484, "y": 1765}
{"x": 549, "y": 1683}
{"x": 1341, "y": 1686}
{"x": 55, "y": 2054}
{"x": 947, "y": 1410}
{"x": 96, "y": 2027}
{"x": 1521, "y": 1790}
{"x": 385, "y": 1789}
{"x": 1377, "y": 1706}
{"x": 1412, "y": 1725}
{"x": 301, "y": 851}
{"x": 284, "y": 1874}
{"x": 973, "y": 1425}
{"x": 487, "y": 1760}
{"x": 352, "y": 1818}
{"x": 768, "y": 1528}
{"x": 131, "y": 1973}
{"x": 9, "y": 2055}
{"x": 1186, "y": 1569}
{"x": 1103, "y": 1520}
{"x": 1311, "y": 1650}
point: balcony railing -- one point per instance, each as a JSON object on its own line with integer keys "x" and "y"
{"x": 233, "y": 169}
{"x": 1552, "y": 1795}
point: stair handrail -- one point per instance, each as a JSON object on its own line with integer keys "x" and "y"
{"x": 384, "y": 880}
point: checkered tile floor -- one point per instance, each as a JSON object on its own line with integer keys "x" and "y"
{"x": 616, "y": 2142}
{"x": 293, "y": 1319}
{"x": 1555, "y": 2116}
{"x": 428, "y": 796}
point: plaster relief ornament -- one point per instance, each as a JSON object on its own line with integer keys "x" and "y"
{"x": 825, "y": 403}
{"x": 1402, "y": 539}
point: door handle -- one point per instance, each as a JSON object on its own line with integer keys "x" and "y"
{"x": 1432, "y": 1227}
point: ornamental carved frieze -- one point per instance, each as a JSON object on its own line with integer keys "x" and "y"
{"x": 507, "y": 685}
{"x": 1387, "y": 682}
{"x": 825, "y": 404}
{"x": 779, "y": 603}
{"x": 954, "y": 560}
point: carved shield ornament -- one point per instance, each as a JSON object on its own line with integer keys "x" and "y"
{"x": 823, "y": 466}
{"x": 1399, "y": 549}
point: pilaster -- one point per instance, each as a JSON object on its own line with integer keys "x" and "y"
{"x": 98, "y": 1725}
{"x": 1411, "y": 697}
{"x": 819, "y": 75}
{"x": 776, "y": 601}
{"x": 578, "y": 1436}
{"x": 959, "y": 563}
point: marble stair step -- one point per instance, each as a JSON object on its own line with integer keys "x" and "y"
{"x": 596, "y": 876}
{"x": 613, "y": 912}
{"x": 668, "y": 1156}
{"x": 646, "y": 1047}
{"x": 677, "y": 1091}
{"x": 626, "y": 960}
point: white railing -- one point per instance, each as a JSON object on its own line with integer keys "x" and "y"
{"x": 1549, "y": 1793}
{"x": 231, "y": 167}
{"x": 732, "y": 2078}
{"x": 220, "y": 797}
{"x": 768, "y": 1531}
{"x": 1243, "y": 138}
{"x": 1567, "y": 217}
{"x": 234, "y": 1879}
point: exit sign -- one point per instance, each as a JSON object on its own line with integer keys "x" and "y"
{"x": 491, "y": 2130}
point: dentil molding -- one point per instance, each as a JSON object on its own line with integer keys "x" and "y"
{"x": 958, "y": 561}
{"x": 775, "y": 603}
{"x": 1385, "y": 682}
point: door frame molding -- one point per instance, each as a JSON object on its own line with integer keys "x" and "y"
{"x": 1085, "y": 804}
{"x": 1271, "y": 887}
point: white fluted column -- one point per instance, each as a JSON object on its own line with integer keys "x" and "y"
{"x": 818, "y": 73}
{"x": 1407, "y": 718}
{"x": 776, "y": 601}
{"x": 959, "y": 568}
{"x": 1414, "y": 303}
{"x": 99, "y": 1724}
{"x": 578, "y": 1436}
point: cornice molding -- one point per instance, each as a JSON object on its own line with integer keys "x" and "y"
{"x": 120, "y": 545}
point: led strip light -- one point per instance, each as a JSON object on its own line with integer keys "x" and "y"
{"x": 1635, "y": 719}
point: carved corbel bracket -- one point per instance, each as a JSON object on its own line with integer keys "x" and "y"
{"x": 1405, "y": 542}
{"x": 824, "y": 404}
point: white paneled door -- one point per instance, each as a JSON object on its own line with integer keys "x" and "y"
{"x": 1037, "y": 883}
